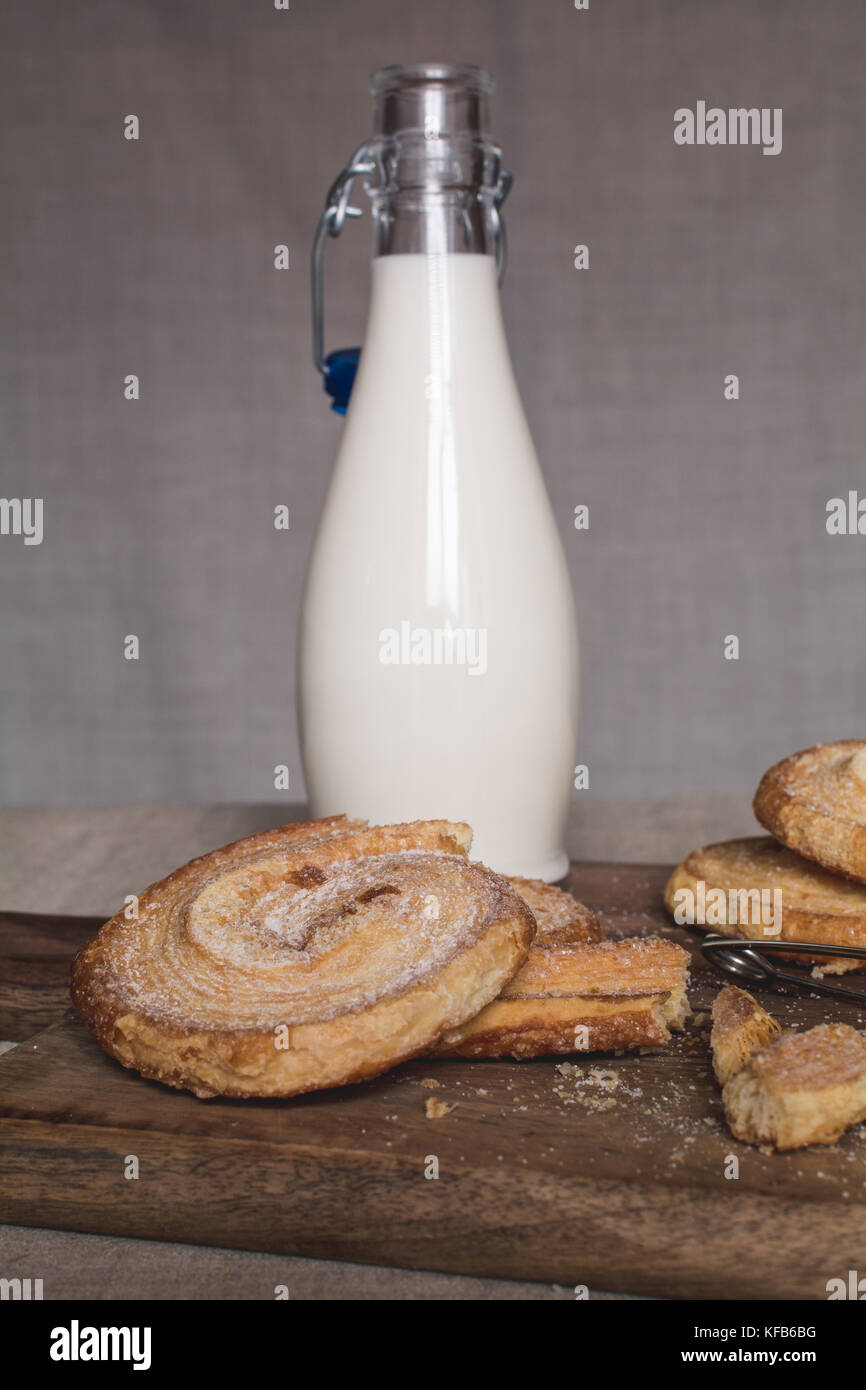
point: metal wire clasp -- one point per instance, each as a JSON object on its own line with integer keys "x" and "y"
{"x": 337, "y": 209}
{"x": 501, "y": 192}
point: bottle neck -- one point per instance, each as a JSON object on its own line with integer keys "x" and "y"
{"x": 434, "y": 194}
{"x": 430, "y": 223}
{"x": 435, "y": 181}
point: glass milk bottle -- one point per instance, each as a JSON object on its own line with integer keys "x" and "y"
{"x": 438, "y": 645}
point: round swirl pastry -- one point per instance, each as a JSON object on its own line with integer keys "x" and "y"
{"x": 302, "y": 958}
{"x": 744, "y": 874}
{"x": 815, "y": 803}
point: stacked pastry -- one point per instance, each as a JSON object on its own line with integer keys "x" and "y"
{"x": 327, "y": 952}
{"x": 803, "y": 882}
{"x": 577, "y": 991}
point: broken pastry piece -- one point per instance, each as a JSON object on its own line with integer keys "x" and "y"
{"x": 740, "y": 1027}
{"x": 806, "y": 1088}
{"x": 796, "y": 1090}
{"x": 596, "y": 996}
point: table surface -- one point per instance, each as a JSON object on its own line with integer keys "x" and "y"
{"x": 97, "y": 856}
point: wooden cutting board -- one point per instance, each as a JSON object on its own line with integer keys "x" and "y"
{"x": 610, "y": 1174}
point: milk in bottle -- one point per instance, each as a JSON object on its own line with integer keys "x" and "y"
{"x": 438, "y": 649}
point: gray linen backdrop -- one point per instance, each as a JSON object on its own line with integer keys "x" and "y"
{"x": 155, "y": 257}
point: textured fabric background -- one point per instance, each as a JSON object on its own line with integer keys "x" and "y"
{"x": 156, "y": 257}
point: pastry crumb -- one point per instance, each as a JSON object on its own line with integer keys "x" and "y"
{"x": 592, "y": 1086}
{"x": 435, "y": 1109}
{"x": 431, "y": 1083}
{"x": 605, "y": 1077}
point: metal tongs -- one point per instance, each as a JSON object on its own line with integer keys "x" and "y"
{"x": 744, "y": 960}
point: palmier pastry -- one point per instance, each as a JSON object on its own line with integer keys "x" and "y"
{"x": 559, "y": 918}
{"x": 578, "y": 992}
{"x": 730, "y": 888}
{"x": 740, "y": 1027}
{"x": 804, "y": 1088}
{"x": 303, "y": 958}
{"x": 815, "y": 803}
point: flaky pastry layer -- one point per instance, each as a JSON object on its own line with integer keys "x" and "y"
{"x": 740, "y": 1027}
{"x": 592, "y": 997}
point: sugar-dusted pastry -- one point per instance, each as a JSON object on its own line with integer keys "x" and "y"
{"x": 560, "y": 919}
{"x": 732, "y": 888}
{"x": 303, "y": 958}
{"x": 575, "y": 994}
{"x": 740, "y": 1027}
{"x": 805, "y": 1088}
{"x": 815, "y": 803}
{"x": 588, "y": 997}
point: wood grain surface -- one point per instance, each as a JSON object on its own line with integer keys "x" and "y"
{"x": 607, "y": 1171}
